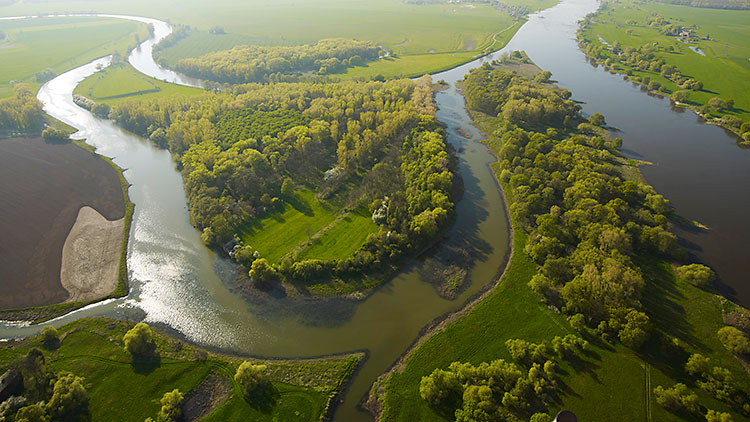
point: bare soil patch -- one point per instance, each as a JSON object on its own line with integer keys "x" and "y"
{"x": 206, "y": 397}
{"x": 42, "y": 188}
{"x": 91, "y": 256}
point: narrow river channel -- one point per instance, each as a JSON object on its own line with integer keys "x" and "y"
{"x": 179, "y": 285}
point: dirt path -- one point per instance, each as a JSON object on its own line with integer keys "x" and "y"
{"x": 91, "y": 256}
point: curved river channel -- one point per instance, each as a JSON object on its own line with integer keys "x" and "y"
{"x": 179, "y": 285}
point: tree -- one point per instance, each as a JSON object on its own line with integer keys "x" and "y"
{"x": 734, "y": 340}
{"x": 69, "y": 399}
{"x": 697, "y": 365}
{"x": 636, "y": 329}
{"x": 31, "y": 413}
{"x": 540, "y": 417}
{"x": 716, "y": 103}
{"x": 681, "y": 96}
{"x": 438, "y": 386}
{"x": 543, "y": 76}
{"x": 677, "y": 399}
{"x": 715, "y": 416}
{"x": 171, "y": 406}
{"x": 597, "y": 119}
{"x": 251, "y": 378}
{"x": 287, "y": 188}
{"x": 139, "y": 341}
{"x": 54, "y": 134}
{"x": 262, "y": 271}
{"x": 50, "y": 337}
{"x": 696, "y": 274}
{"x": 101, "y": 110}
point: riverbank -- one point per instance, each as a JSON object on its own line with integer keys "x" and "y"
{"x": 70, "y": 177}
{"x": 93, "y": 349}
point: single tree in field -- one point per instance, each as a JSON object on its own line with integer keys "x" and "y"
{"x": 251, "y": 378}
{"x": 734, "y": 340}
{"x": 139, "y": 341}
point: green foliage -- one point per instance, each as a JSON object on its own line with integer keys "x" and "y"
{"x": 714, "y": 416}
{"x": 69, "y": 401}
{"x": 597, "y": 119}
{"x": 696, "y": 274}
{"x": 50, "y": 337}
{"x": 262, "y": 271}
{"x": 139, "y": 341}
{"x": 55, "y": 134}
{"x": 21, "y": 113}
{"x": 734, "y": 340}
{"x": 677, "y": 399}
{"x": 252, "y": 378}
{"x": 250, "y": 63}
{"x": 32, "y": 413}
{"x": 171, "y": 406}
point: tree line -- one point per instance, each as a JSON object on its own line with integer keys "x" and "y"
{"x": 243, "y": 151}
{"x": 251, "y": 63}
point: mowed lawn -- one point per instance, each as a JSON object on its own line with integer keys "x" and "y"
{"x": 344, "y": 238}
{"x": 60, "y": 44}
{"x": 281, "y": 232}
{"x": 122, "y": 82}
{"x": 725, "y": 68}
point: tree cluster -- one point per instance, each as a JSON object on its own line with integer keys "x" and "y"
{"x": 251, "y": 63}
{"x": 718, "y": 382}
{"x": 500, "y": 390}
{"x": 585, "y": 222}
{"x": 238, "y": 147}
{"x": 22, "y": 112}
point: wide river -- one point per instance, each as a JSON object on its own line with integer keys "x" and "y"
{"x": 179, "y": 285}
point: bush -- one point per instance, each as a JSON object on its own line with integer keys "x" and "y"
{"x": 53, "y": 134}
{"x": 139, "y": 341}
{"x": 734, "y": 340}
{"x": 50, "y": 337}
{"x": 69, "y": 398}
{"x": 251, "y": 378}
{"x": 696, "y": 274}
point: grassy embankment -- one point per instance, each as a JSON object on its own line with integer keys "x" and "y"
{"x": 610, "y": 380}
{"x": 121, "y": 81}
{"x": 93, "y": 349}
{"x": 725, "y": 68}
{"x": 60, "y": 44}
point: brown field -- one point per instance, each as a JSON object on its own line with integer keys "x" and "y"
{"x": 42, "y": 188}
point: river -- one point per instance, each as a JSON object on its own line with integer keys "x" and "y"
{"x": 179, "y": 285}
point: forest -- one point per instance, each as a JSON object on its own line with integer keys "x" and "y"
{"x": 248, "y": 151}
{"x": 251, "y": 63}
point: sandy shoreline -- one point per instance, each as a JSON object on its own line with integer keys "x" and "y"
{"x": 91, "y": 256}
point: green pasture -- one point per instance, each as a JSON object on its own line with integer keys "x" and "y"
{"x": 60, "y": 44}
{"x": 121, "y": 81}
{"x": 92, "y": 349}
{"x": 343, "y": 239}
{"x": 612, "y": 382}
{"x": 724, "y": 70}
{"x": 424, "y": 37}
{"x": 280, "y": 233}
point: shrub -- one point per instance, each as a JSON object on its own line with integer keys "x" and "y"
{"x": 50, "y": 337}
{"x": 696, "y": 274}
{"x": 734, "y": 340}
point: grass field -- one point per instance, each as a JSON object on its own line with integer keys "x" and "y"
{"x": 93, "y": 349}
{"x": 343, "y": 239}
{"x": 725, "y": 68}
{"x": 122, "y": 81}
{"x": 612, "y": 380}
{"x": 451, "y": 33}
{"x": 60, "y": 44}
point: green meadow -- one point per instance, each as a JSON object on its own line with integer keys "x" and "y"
{"x": 725, "y": 68}
{"x": 60, "y": 44}
{"x": 92, "y": 349}
{"x": 121, "y": 81}
{"x": 423, "y": 37}
{"x": 512, "y": 310}
{"x": 309, "y": 227}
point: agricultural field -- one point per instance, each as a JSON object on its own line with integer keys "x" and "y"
{"x": 423, "y": 37}
{"x": 721, "y": 36}
{"x": 38, "y": 214}
{"x": 121, "y": 81}
{"x": 54, "y": 45}
{"x": 114, "y": 380}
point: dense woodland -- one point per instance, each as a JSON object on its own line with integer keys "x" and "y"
{"x": 250, "y": 63}
{"x": 22, "y": 112}
{"x": 586, "y": 222}
{"x": 243, "y": 152}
